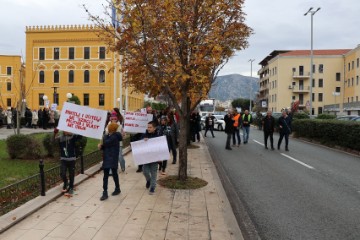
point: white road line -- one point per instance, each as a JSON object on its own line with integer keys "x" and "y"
{"x": 258, "y": 142}
{"x": 295, "y": 160}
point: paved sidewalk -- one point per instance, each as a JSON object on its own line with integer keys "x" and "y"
{"x": 4, "y": 132}
{"x": 134, "y": 214}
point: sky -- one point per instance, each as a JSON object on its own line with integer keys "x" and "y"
{"x": 277, "y": 25}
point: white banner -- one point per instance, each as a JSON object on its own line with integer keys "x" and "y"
{"x": 152, "y": 150}
{"x": 136, "y": 122}
{"x": 85, "y": 121}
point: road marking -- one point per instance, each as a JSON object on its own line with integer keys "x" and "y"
{"x": 258, "y": 142}
{"x": 295, "y": 160}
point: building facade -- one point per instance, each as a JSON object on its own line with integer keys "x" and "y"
{"x": 11, "y": 76}
{"x": 285, "y": 78}
{"x": 351, "y": 99}
{"x": 73, "y": 59}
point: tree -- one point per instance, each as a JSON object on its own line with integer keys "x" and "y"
{"x": 241, "y": 103}
{"x": 175, "y": 48}
{"x": 75, "y": 99}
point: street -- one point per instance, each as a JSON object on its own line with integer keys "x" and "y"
{"x": 310, "y": 192}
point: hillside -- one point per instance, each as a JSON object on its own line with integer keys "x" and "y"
{"x": 229, "y": 87}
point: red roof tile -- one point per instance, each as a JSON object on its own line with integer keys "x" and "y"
{"x": 316, "y": 52}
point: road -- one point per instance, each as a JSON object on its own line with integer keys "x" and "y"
{"x": 310, "y": 192}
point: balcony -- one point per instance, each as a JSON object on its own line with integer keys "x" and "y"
{"x": 299, "y": 88}
{"x": 302, "y": 75}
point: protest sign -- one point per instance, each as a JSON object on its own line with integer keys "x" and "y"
{"x": 136, "y": 122}
{"x": 85, "y": 121}
{"x": 151, "y": 150}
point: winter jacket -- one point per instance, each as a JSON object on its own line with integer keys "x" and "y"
{"x": 229, "y": 124}
{"x": 111, "y": 148}
{"x": 268, "y": 124}
{"x": 67, "y": 145}
{"x": 285, "y": 125}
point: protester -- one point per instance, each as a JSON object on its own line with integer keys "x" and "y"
{"x": 111, "y": 147}
{"x": 229, "y": 128}
{"x": 237, "y": 124}
{"x": 8, "y": 115}
{"x": 67, "y": 143}
{"x": 268, "y": 124}
{"x": 28, "y": 118}
{"x": 51, "y": 119}
{"x": 209, "y": 124}
{"x": 284, "y": 129}
{"x": 246, "y": 121}
{"x": 34, "y": 119}
{"x": 195, "y": 127}
{"x": 45, "y": 118}
{"x": 150, "y": 169}
{"x": 40, "y": 117}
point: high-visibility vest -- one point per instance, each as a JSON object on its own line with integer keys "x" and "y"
{"x": 248, "y": 119}
{"x": 236, "y": 119}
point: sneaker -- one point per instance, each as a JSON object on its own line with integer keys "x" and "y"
{"x": 116, "y": 192}
{"x": 152, "y": 191}
{"x": 123, "y": 169}
{"x": 147, "y": 184}
{"x": 163, "y": 173}
{"x": 104, "y": 196}
{"x": 64, "y": 189}
{"x": 139, "y": 170}
{"x": 70, "y": 191}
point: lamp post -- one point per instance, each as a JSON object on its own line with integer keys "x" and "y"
{"x": 68, "y": 96}
{"x": 312, "y": 13}
{"x": 251, "y": 61}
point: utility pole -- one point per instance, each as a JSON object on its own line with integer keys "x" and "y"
{"x": 250, "y": 94}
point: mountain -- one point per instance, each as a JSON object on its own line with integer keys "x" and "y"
{"x": 230, "y": 87}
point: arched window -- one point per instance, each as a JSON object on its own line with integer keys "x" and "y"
{"x": 41, "y": 77}
{"x": 102, "y": 76}
{"x": 56, "y": 76}
{"x": 71, "y": 76}
{"x": 86, "y": 76}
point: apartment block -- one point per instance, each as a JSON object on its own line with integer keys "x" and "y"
{"x": 73, "y": 59}
{"x": 285, "y": 78}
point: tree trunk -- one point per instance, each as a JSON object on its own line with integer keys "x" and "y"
{"x": 183, "y": 138}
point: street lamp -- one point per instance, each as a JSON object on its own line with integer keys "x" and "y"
{"x": 251, "y": 61}
{"x": 68, "y": 96}
{"x": 312, "y": 13}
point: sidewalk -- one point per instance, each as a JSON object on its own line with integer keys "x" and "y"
{"x": 134, "y": 214}
{"x": 4, "y": 132}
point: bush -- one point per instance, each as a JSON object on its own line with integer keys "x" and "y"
{"x": 326, "y": 116}
{"x": 301, "y": 115}
{"x": 51, "y": 146}
{"x": 22, "y": 146}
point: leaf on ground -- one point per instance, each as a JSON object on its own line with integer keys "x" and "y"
{"x": 14, "y": 218}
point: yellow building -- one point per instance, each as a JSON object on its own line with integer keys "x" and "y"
{"x": 351, "y": 100}
{"x": 285, "y": 78}
{"x": 10, "y": 68}
{"x": 73, "y": 59}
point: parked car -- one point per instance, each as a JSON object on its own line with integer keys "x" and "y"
{"x": 219, "y": 123}
{"x": 356, "y": 119}
{"x": 347, "y": 117}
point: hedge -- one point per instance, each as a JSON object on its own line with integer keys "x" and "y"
{"x": 329, "y": 132}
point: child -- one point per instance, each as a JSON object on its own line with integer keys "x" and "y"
{"x": 167, "y": 129}
{"x": 111, "y": 147}
{"x": 67, "y": 143}
{"x": 150, "y": 169}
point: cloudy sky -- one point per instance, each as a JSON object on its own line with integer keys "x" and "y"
{"x": 277, "y": 25}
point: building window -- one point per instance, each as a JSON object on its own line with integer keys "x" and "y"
{"x": 56, "y": 98}
{"x": 41, "y": 100}
{"x": 352, "y": 81}
{"x": 313, "y": 83}
{"x": 357, "y": 80}
{"x": 320, "y": 110}
{"x": 56, "y": 53}
{"x": 86, "y": 52}
{"x": 71, "y": 76}
{"x": 338, "y": 89}
{"x": 348, "y": 66}
{"x": 56, "y": 76}
{"x": 313, "y": 97}
{"x": 8, "y": 71}
{"x": 338, "y": 77}
{"x": 314, "y": 68}
{"x": 86, "y": 76}
{"x": 71, "y": 53}
{"x": 321, "y": 82}
{"x": 102, "y": 53}
{"x": 42, "y": 54}
{"x": 102, "y": 76}
{"x": 321, "y": 68}
{"x": 301, "y": 70}
{"x": 8, "y": 86}
{"x": 41, "y": 77}
{"x": 348, "y": 82}
{"x": 357, "y": 98}
{"x": 320, "y": 97}
{"x": 357, "y": 63}
{"x": 352, "y": 65}
{"x": 352, "y": 99}
{"x": 86, "y": 99}
{"x": 8, "y": 102}
{"x": 101, "y": 99}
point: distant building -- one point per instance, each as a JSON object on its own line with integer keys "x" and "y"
{"x": 73, "y": 59}
{"x": 10, "y": 68}
{"x": 285, "y": 78}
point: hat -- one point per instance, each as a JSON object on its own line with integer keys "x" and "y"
{"x": 113, "y": 116}
{"x": 112, "y": 127}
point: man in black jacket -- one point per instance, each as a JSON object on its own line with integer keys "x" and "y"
{"x": 209, "y": 124}
{"x": 229, "y": 128}
{"x": 268, "y": 123}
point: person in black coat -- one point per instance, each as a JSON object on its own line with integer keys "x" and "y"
{"x": 209, "y": 124}
{"x": 268, "y": 125}
{"x": 284, "y": 129}
{"x": 229, "y": 128}
{"x": 111, "y": 147}
{"x": 195, "y": 127}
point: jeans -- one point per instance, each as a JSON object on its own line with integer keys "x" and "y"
{"x": 246, "y": 130}
{"x": 172, "y": 148}
{"x": 282, "y": 135}
{"x": 106, "y": 177}
{"x": 121, "y": 159}
{"x": 266, "y": 136}
{"x": 237, "y": 134}
{"x": 211, "y": 128}
{"x": 150, "y": 173}
{"x": 68, "y": 165}
{"x": 228, "y": 138}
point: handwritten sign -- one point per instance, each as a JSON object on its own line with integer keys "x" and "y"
{"x": 136, "y": 122}
{"x": 85, "y": 121}
{"x": 152, "y": 150}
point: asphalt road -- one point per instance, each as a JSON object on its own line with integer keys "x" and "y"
{"x": 310, "y": 192}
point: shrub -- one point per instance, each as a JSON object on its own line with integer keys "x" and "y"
{"x": 22, "y": 146}
{"x": 326, "y": 116}
{"x": 301, "y": 115}
{"x": 51, "y": 146}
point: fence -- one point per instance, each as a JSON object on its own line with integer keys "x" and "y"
{"x": 19, "y": 193}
